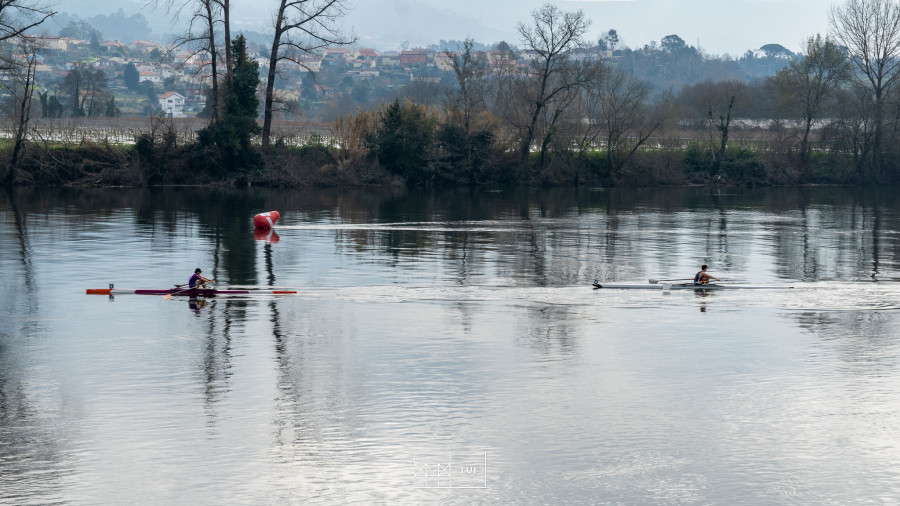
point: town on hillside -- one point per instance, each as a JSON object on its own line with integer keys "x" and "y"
{"x": 98, "y": 77}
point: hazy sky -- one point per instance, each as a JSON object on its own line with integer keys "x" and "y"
{"x": 721, "y": 26}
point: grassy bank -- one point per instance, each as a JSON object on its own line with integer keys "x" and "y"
{"x": 163, "y": 160}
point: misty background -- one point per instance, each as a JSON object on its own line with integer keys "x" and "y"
{"x": 716, "y": 27}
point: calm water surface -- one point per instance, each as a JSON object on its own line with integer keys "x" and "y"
{"x": 447, "y": 348}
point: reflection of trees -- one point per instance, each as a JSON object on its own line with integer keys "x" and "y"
{"x": 567, "y": 236}
{"x": 23, "y": 255}
{"x": 314, "y": 413}
{"x": 217, "y": 359}
{"x": 29, "y": 448}
{"x": 302, "y": 425}
{"x": 17, "y": 291}
{"x": 548, "y": 331}
{"x": 541, "y": 236}
{"x": 223, "y": 216}
{"x": 836, "y": 234}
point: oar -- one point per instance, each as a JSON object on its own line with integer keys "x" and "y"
{"x": 261, "y": 287}
{"x": 169, "y": 295}
{"x": 657, "y": 281}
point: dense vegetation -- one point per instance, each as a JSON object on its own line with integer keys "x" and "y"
{"x": 547, "y": 113}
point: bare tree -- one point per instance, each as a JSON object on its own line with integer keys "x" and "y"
{"x": 95, "y": 85}
{"x": 870, "y": 29}
{"x": 553, "y": 126}
{"x": 465, "y": 102}
{"x": 713, "y": 106}
{"x": 723, "y": 126}
{"x": 551, "y": 37}
{"x": 20, "y": 69}
{"x": 807, "y": 83}
{"x": 202, "y": 35}
{"x": 206, "y": 14}
{"x": 300, "y": 27}
{"x": 851, "y": 132}
{"x": 19, "y": 16}
{"x": 424, "y": 92}
{"x": 470, "y": 68}
{"x": 625, "y": 118}
{"x": 85, "y": 87}
{"x": 225, "y": 6}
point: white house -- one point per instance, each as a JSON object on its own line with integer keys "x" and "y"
{"x": 172, "y": 103}
{"x": 153, "y": 77}
{"x": 55, "y": 43}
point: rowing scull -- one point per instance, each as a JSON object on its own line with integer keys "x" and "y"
{"x": 685, "y": 286}
{"x": 187, "y": 292}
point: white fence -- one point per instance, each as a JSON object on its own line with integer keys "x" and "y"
{"x": 124, "y": 131}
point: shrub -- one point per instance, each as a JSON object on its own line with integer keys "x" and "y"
{"x": 402, "y": 140}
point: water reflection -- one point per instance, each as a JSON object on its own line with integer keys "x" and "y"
{"x": 196, "y": 304}
{"x": 447, "y": 320}
{"x": 267, "y": 236}
{"x": 549, "y": 332}
{"x": 863, "y": 340}
{"x": 812, "y": 230}
{"x": 31, "y": 450}
{"x": 33, "y": 442}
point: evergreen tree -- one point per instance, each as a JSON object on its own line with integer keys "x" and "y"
{"x": 79, "y": 29}
{"x": 402, "y": 140}
{"x": 207, "y": 111}
{"x": 308, "y": 89}
{"x": 232, "y": 132}
{"x": 673, "y": 44}
{"x": 132, "y": 77}
{"x": 612, "y": 39}
{"x": 73, "y": 83}
{"x": 238, "y": 122}
{"x": 150, "y": 92}
{"x": 51, "y": 107}
{"x": 112, "y": 109}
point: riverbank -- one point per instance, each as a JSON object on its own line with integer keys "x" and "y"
{"x": 163, "y": 161}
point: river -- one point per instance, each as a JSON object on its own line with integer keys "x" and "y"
{"x": 446, "y": 347}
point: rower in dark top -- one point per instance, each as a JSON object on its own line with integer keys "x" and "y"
{"x": 198, "y": 281}
{"x": 703, "y": 277}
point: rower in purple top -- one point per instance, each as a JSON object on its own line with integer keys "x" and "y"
{"x": 703, "y": 277}
{"x": 198, "y": 281}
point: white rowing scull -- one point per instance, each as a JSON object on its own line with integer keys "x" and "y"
{"x": 685, "y": 286}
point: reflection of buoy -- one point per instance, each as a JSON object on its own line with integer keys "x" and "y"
{"x": 268, "y": 236}
{"x": 265, "y": 221}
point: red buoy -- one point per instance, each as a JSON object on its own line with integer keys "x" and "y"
{"x": 265, "y": 221}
